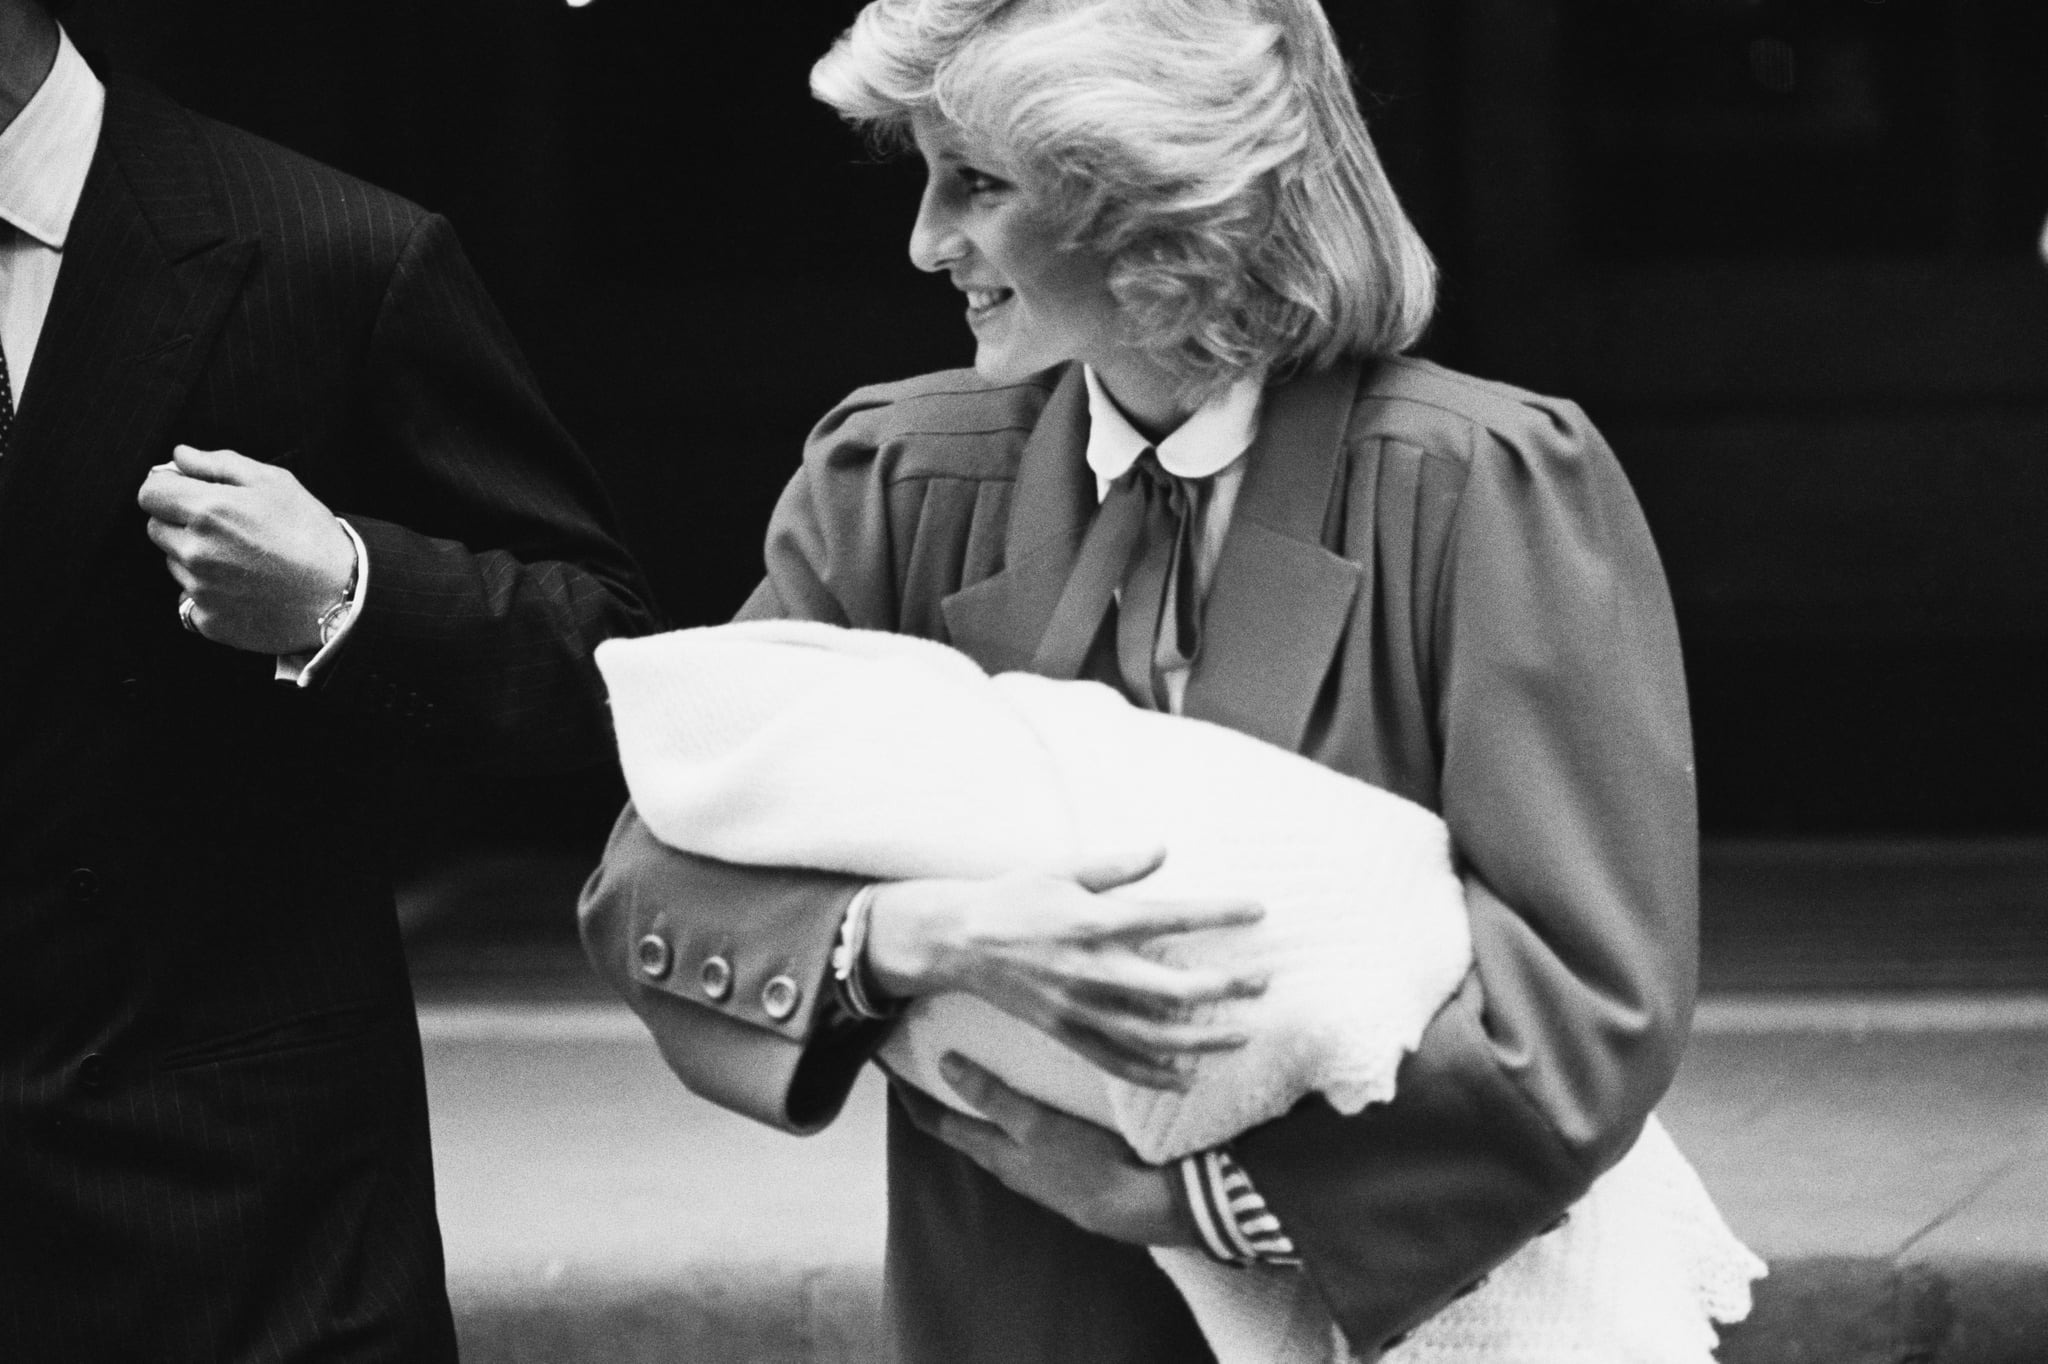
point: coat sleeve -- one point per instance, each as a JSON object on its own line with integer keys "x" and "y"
{"x": 729, "y": 968}
{"x": 1566, "y": 781}
{"x": 653, "y": 918}
{"x": 494, "y": 567}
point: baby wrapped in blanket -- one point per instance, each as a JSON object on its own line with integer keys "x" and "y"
{"x": 804, "y": 745}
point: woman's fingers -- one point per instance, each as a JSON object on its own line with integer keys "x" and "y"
{"x": 1132, "y": 920}
{"x": 1008, "y": 1109}
{"x": 1147, "y": 1041}
{"x": 1071, "y": 963}
{"x": 1146, "y": 1037}
{"x": 926, "y": 1114}
{"x": 1110, "y": 873}
{"x": 1085, "y": 1173}
{"x": 1133, "y": 1067}
{"x": 1123, "y": 981}
{"x": 925, "y": 936}
{"x": 1144, "y": 1021}
{"x": 969, "y": 1135}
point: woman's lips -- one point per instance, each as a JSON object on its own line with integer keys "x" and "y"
{"x": 982, "y": 302}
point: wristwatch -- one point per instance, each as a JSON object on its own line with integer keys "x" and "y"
{"x": 334, "y": 617}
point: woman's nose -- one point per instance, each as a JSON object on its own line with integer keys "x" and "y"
{"x": 935, "y": 240}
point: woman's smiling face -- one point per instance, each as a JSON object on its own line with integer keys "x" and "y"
{"x": 1031, "y": 302}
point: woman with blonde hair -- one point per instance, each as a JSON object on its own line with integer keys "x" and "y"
{"x": 1191, "y": 460}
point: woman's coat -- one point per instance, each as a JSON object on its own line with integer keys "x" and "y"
{"x": 1436, "y": 584}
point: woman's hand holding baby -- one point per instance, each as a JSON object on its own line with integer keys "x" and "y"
{"x": 1085, "y": 1173}
{"x": 1066, "y": 958}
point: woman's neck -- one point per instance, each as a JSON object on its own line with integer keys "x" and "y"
{"x": 1149, "y": 399}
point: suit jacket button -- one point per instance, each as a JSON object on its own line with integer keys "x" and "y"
{"x": 779, "y": 997}
{"x": 652, "y": 955}
{"x": 715, "y": 975}
{"x": 83, "y": 885}
{"x": 92, "y": 1072}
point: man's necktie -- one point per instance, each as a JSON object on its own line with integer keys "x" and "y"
{"x": 6, "y": 381}
{"x": 1142, "y": 541}
{"x": 6, "y": 403}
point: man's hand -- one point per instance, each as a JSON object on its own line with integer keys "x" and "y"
{"x": 1062, "y": 956}
{"x": 260, "y": 556}
{"x": 1085, "y": 1173}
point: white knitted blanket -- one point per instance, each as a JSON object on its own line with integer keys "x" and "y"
{"x": 796, "y": 744}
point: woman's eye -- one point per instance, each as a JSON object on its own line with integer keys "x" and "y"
{"x": 980, "y": 182}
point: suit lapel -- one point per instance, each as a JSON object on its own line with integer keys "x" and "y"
{"x": 148, "y": 275}
{"x": 1280, "y": 601}
{"x": 999, "y": 620}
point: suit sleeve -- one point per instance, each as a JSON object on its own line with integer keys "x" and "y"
{"x": 495, "y": 568}
{"x": 826, "y": 558}
{"x": 1566, "y": 780}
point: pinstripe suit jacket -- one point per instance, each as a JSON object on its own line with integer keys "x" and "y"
{"x": 213, "y": 1139}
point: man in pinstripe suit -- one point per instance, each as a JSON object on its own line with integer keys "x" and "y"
{"x": 213, "y": 1138}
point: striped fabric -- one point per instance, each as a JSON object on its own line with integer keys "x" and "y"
{"x": 1236, "y": 1225}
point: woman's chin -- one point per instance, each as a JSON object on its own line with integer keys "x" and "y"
{"x": 996, "y": 368}
{"x": 1008, "y": 367}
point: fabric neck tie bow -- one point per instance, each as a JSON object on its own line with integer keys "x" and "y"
{"x": 1142, "y": 541}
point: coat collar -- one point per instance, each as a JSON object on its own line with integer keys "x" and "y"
{"x": 998, "y": 621}
{"x": 149, "y": 272}
{"x": 1279, "y": 604}
{"x": 1204, "y": 445}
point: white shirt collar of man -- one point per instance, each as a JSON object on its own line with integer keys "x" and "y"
{"x": 47, "y": 150}
{"x": 1209, "y": 441}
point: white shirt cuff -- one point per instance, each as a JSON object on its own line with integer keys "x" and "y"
{"x": 303, "y": 669}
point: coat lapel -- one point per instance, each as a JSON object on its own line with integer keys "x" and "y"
{"x": 148, "y": 275}
{"x": 1280, "y": 601}
{"x": 999, "y": 620}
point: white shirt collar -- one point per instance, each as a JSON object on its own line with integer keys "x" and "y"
{"x": 47, "y": 150}
{"x": 1209, "y": 441}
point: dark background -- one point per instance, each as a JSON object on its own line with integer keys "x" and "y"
{"x": 1782, "y": 250}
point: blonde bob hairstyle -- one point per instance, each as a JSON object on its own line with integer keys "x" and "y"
{"x": 1211, "y": 150}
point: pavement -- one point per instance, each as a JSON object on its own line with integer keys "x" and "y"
{"x": 1885, "y": 1152}
{"x": 1866, "y": 1096}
